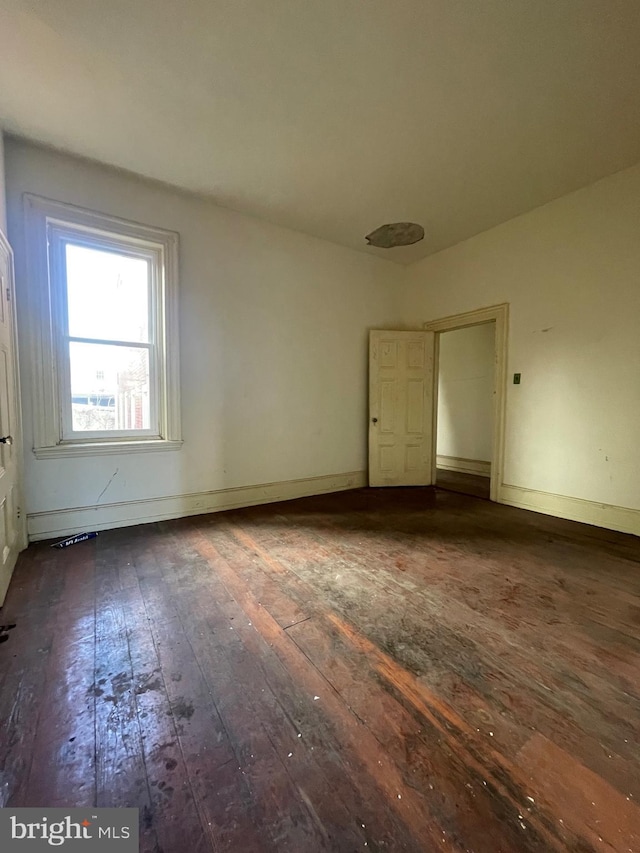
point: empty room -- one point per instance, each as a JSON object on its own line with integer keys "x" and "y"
{"x": 319, "y": 426}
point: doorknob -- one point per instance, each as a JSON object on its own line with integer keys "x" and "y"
{"x": 6, "y": 439}
{"x": 375, "y": 420}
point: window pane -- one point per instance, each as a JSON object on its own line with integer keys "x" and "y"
{"x": 109, "y": 387}
{"x": 107, "y": 295}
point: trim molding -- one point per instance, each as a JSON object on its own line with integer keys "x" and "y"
{"x": 464, "y": 466}
{"x": 47, "y": 223}
{"x": 624, "y": 519}
{"x": 106, "y": 448}
{"x": 16, "y": 427}
{"x": 65, "y": 522}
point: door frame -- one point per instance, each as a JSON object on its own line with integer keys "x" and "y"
{"x": 21, "y": 521}
{"x": 498, "y": 314}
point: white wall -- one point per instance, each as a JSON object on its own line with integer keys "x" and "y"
{"x": 274, "y": 328}
{"x": 273, "y": 345}
{"x": 3, "y": 208}
{"x": 571, "y": 273}
{"x": 465, "y": 393}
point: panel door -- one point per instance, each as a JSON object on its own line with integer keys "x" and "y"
{"x": 400, "y": 408}
{"x": 10, "y": 533}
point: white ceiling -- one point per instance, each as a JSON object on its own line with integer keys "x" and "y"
{"x": 336, "y": 116}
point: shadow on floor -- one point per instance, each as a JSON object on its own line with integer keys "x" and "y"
{"x": 466, "y": 484}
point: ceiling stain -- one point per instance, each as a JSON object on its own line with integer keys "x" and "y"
{"x": 395, "y": 234}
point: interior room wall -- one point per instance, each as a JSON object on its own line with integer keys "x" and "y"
{"x": 273, "y": 347}
{"x": 570, "y": 271}
{"x": 273, "y": 351}
{"x": 465, "y": 398}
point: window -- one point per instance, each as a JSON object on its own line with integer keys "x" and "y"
{"x": 104, "y": 293}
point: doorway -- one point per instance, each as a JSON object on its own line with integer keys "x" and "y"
{"x": 464, "y": 416}
{"x": 403, "y": 406}
{"x": 497, "y": 317}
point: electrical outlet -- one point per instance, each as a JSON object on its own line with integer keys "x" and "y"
{"x": 516, "y": 378}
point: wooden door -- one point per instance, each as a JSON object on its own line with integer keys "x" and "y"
{"x": 11, "y": 536}
{"x": 400, "y": 408}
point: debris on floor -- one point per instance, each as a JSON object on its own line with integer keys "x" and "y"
{"x": 72, "y": 540}
{"x": 4, "y": 632}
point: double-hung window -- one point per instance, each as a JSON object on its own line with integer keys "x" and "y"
{"x": 105, "y": 294}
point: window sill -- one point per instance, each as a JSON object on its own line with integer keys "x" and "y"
{"x": 106, "y": 448}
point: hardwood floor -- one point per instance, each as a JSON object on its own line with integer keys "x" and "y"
{"x": 467, "y": 484}
{"x": 384, "y": 670}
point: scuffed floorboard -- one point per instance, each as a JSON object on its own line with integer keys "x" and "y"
{"x": 382, "y": 670}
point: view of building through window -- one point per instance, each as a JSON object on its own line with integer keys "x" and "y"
{"x": 108, "y": 323}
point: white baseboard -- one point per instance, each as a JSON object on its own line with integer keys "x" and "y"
{"x": 620, "y": 518}
{"x": 65, "y": 522}
{"x": 464, "y": 466}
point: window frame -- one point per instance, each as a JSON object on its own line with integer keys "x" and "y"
{"x": 59, "y": 237}
{"x": 51, "y": 225}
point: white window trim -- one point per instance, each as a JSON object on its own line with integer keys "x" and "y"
{"x": 41, "y": 215}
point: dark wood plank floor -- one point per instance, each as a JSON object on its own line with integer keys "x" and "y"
{"x": 466, "y": 484}
{"x": 389, "y": 670}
